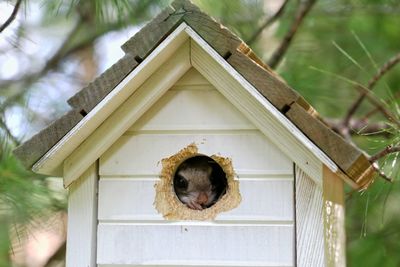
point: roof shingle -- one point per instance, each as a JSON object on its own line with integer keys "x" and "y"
{"x": 352, "y": 161}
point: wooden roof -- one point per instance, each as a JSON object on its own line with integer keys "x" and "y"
{"x": 352, "y": 161}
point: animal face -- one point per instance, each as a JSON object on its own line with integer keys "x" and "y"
{"x": 195, "y": 184}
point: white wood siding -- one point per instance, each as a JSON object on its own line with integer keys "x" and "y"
{"x": 126, "y": 114}
{"x": 260, "y": 232}
{"x": 140, "y": 154}
{"x": 309, "y": 222}
{"x": 82, "y": 220}
{"x": 199, "y": 244}
{"x": 267, "y": 200}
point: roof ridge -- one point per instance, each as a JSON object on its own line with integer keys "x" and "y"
{"x": 351, "y": 160}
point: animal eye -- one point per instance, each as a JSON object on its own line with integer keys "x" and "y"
{"x": 180, "y": 182}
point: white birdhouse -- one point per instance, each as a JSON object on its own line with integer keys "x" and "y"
{"x": 190, "y": 95}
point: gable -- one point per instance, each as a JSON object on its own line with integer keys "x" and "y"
{"x": 192, "y": 103}
{"x": 152, "y": 46}
{"x": 193, "y": 111}
{"x": 197, "y": 53}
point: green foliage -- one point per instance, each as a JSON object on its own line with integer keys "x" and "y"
{"x": 102, "y": 12}
{"x": 238, "y": 15}
{"x": 24, "y": 196}
{"x": 341, "y": 42}
{"x": 315, "y": 47}
{"x": 352, "y": 45}
{"x": 373, "y": 226}
{"x": 4, "y": 243}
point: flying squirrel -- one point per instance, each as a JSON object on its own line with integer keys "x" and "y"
{"x": 199, "y": 182}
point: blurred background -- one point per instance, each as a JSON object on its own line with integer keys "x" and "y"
{"x": 328, "y": 50}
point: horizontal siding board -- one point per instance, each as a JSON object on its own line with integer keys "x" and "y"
{"x": 191, "y": 110}
{"x": 142, "y": 153}
{"x": 223, "y": 264}
{"x": 194, "y": 244}
{"x": 270, "y": 200}
{"x": 129, "y": 199}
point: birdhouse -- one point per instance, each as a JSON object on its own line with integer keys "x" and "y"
{"x": 190, "y": 96}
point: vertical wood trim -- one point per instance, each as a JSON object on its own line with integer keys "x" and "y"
{"x": 334, "y": 211}
{"x": 309, "y": 221}
{"x": 82, "y": 219}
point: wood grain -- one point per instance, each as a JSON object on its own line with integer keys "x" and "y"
{"x": 211, "y": 244}
{"x": 143, "y": 42}
{"x": 309, "y": 222}
{"x": 139, "y": 154}
{"x": 334, "y": 220}
{"x": 349, "y": 158}
{"x": 227, "y": 45}
{"x": 33, "y": 149}
{"x": 220, "y": 38}
{"x": 267, "y": 83}
{"x": 51, "y": 162}
{"x": 191, "y": 78}
{"x": 131, "y": 110}
{"x": 82, "y": 220}
{"x": 192, "y": 107}
{"x": 88, "y": 97}
{"x": 130, "y": 199}
{"x": 258, "y": 109}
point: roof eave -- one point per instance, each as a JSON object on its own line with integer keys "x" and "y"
{"x": 351, "y": 161}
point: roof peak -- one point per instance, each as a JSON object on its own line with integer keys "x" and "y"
{"x": 236, "y": 53}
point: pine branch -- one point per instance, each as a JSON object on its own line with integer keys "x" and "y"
{"x": 4, "y": 126}
{"x": 267, "y": 22}
{"x": 52, "y": 63}
{"x": 301, "y": 12}
{"x": 382, "y": 174}
{"x": 12, "y": 16}
{"x": 377, "y": 103}
{"x": 381, "y": 72}
{"x": 359, "y": 126}
{"x": 68, "y": 47}
{"x": 388, "y": 101}
{"x": 386, "y": 151}
{"x": 383, "y": 153}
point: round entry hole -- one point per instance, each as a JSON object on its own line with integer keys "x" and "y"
{"x": 199, "y": 182}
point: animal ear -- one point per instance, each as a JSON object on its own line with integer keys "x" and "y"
{"x": 182, "y": 166}
{"x": 210, "y": 171}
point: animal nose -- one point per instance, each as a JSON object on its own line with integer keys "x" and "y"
{"x": 202, "y": 198}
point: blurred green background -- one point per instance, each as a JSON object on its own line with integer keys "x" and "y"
{"x": 53, "y": 48}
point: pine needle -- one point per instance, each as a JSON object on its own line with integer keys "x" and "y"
{"x": 364, "y": 48}
{"x": 347, "y": 55}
